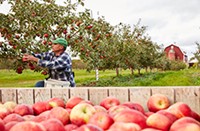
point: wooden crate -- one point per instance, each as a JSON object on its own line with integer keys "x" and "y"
{"x": 189, "y": 95}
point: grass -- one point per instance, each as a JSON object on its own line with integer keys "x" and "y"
{"x": 188, "y": 77}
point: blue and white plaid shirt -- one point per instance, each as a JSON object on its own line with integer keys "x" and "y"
{"x": 59, "y": 66}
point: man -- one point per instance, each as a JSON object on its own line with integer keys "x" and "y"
{"x": 57, "y": 61}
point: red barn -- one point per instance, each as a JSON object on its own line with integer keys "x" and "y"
{"x": 173, "y": 52}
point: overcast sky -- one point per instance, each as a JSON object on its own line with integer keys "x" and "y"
{"x": 167, "y": 21}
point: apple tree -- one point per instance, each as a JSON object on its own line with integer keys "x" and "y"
{"x": 30, "y": 26}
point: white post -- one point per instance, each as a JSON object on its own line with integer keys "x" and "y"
{"x": 97, "y": 74}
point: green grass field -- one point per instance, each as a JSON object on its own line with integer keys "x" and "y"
{"x": 188, "y": 77}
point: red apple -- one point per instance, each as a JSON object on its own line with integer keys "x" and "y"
{"x": 60, "y": 114}
{"x": 148, "y": 113}
{"x": 28, "y": 126}
{"x": 89, "y": 27}
{"x": 29, "y": 117}
{"x": 180, "y": 109}
{"x": 72, "y": 102}
{"x": 53, "y": 124}
{"x": 42, "y": 116}
{"x": 2, "y": 126}
{"x": 40, "y": 107}
{"x": 54, "y": 102}
{"x": 158, "y": 102}
{"x": 195, "y": 115}
{"x": 123, "y": 126}
{"x": 23, "y": 109}
{"x": 172, "y": 117}
{"x": 102, "y": 120}
{"x": 185, "y": 124}
{"x": 112, "y": 111}
{"x": 13, "y": 117}
{"x": 46, "y": 35}
{"x": 159, "y": 121}
{"x": 150, "y": 129}
{"x": 3, "y": 112}
{"x": 10, "y": 105}
{"x": 134, "y": 116}
{"x": 81, "y": 113}
{"x": 9, "y": 125}
{"x": 109, "y": 102}
{"x": 24, "y": 59}
{"x": 19, "y": 70}
{"x": 87, "y": 101}
{"x": 99, "y": 108}
{"x": 88, "y": 127}
{"x": 135, "y": 106}
{"x": 70, "y": 127}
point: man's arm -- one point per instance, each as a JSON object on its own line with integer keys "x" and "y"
{"x": 60, "y": 63}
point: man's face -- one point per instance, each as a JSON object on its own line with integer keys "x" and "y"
{"x": 57, "y": 47}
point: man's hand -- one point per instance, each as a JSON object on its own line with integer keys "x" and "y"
{"x": 28, "y": 57}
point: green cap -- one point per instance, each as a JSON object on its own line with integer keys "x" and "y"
{"x": 60, "y": 41}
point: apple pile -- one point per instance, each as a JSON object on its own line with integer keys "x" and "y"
{"x": 77, "y": 114}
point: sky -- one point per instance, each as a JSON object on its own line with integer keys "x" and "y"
{"x": 168, "y": 21}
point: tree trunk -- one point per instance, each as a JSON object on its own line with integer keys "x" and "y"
{"x": 146, "y": 69}
{"x": 132, "y": 71}
{"x": 117, "y": 71}
{"x": 139, "y": 72}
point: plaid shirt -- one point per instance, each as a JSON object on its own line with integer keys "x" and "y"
{"x": 58, "y": 66}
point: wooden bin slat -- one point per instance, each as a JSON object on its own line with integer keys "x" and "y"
{"x": 190, "y": 96}
{"x": 81, "y": 92}
{"x": 97, "y": 95}
{"x": 25, "y": 96}
{"x": 140, "y": 95}
{"x": 9, "y": 95}
{"x": 41, "y": 94}
{"x": 121, "y": 93}
{"x": 61, "y": 93}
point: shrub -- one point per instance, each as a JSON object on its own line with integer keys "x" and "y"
{"x": 177, "y": 65}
